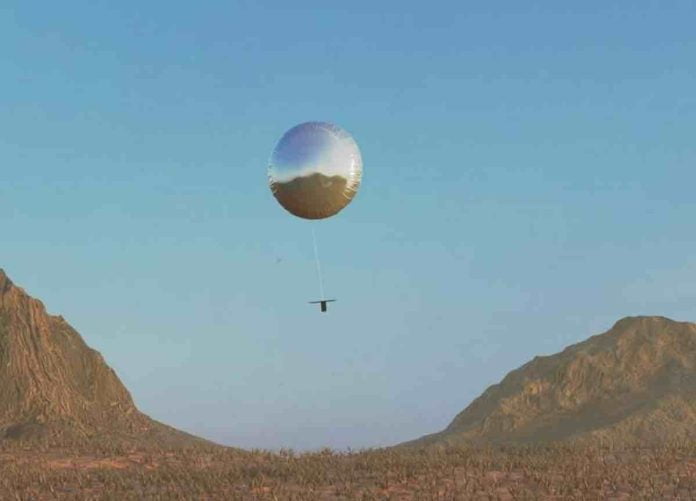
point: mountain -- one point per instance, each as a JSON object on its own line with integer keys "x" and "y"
{"x": 632, "y": 385}
{"x": 56, "y": 389}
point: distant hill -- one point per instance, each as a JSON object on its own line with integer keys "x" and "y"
{"x": 55, "y": 389}
{"x": 634, "y": 384}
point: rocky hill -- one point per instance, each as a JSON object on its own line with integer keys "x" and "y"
{"x": 632, "y": 385}
{"x": 56, "y": 389}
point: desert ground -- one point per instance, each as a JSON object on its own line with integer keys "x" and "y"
{"x": 553, "y": 472}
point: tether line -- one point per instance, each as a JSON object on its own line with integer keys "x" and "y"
{"x": 316, "y": 258}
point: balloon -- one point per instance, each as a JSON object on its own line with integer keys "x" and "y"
{"x": 315, "y": 170}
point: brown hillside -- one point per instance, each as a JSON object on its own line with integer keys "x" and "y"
{"x": 632, "y": 385}
{"x": 54, "y": 388}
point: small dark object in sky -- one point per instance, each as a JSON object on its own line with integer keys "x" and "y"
{"x": 323, "y": 303}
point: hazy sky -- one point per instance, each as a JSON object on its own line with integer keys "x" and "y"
{"x": 529, "y": 173}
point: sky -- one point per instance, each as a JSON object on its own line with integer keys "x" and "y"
{"x": 528, "y": 179}
{"x": 316, "y": 147}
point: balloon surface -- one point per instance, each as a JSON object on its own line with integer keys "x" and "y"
{"x": 315, "y": 170}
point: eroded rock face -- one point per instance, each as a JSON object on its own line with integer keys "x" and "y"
{"x": 634, "y": 384}
{"x": 53, "y": 385}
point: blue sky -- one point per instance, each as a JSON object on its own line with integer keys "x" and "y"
{"x": 528, "y": 180}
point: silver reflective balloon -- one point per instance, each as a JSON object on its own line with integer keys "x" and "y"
{"x": 315, "y": 170}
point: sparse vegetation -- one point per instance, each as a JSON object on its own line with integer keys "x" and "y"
{"x": 553, "y": 472}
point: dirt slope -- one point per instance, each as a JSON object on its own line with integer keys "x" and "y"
{"x": 634, "y": 384}
{"x": 55, "y": 388}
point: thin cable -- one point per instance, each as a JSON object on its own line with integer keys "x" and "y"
{"x": 316, "y": 258}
